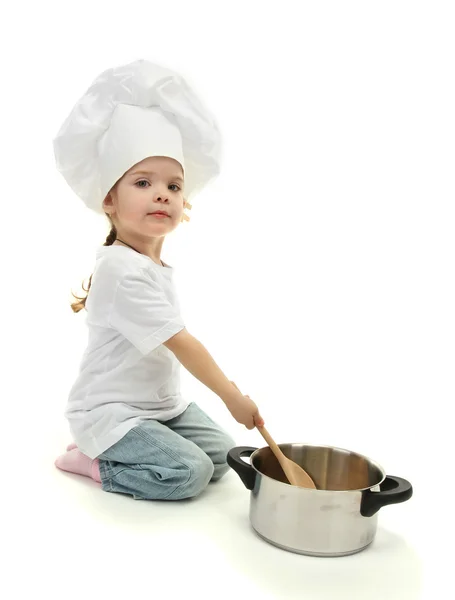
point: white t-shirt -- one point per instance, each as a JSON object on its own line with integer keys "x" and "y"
{"x": 126, "y": 374}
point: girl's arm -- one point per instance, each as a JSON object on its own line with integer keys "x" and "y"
{"x": 198, "y": 361}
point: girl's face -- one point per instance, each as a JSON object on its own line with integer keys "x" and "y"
{"x": 155, "y": 183}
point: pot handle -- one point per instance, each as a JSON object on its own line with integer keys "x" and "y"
{"x": 393, "y": 490}
{"x": 246, "y": 472}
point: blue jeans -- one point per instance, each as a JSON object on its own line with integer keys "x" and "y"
{"x": 167, "y": 461}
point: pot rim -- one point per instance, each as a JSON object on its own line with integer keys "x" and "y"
{"x": 373, "y": 462}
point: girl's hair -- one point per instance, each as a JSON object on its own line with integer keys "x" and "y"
{"x": 80, "y": 304}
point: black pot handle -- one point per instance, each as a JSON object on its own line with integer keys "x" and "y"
{"x": 246, "y": 472}
{"x": 393, "y": 490}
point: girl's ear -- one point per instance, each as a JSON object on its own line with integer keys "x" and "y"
{"x": 107, "y": 202}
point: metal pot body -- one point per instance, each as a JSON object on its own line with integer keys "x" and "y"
{"x": 336, "y": 519}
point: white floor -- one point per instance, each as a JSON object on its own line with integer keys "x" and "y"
{"x": 66, "y": 538}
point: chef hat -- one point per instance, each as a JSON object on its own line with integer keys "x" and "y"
{"x": 129, "y": 113}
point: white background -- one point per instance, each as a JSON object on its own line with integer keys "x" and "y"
{"x": 317, "y": 270}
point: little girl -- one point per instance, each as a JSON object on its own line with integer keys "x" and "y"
{"x": 135, "y": 147}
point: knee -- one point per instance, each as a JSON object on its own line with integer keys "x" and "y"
{"x": 201, "y": 472}
{"x": 226, "y": 443}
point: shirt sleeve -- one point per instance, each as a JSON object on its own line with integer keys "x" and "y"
{"x": 142, "y": 313}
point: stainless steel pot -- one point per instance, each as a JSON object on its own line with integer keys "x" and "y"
{"x": 337, "y": 519}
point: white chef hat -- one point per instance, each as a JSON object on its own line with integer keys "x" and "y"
{"x": 129, "y": 113}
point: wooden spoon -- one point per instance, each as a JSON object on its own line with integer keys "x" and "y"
{"x": 294, "y": 472}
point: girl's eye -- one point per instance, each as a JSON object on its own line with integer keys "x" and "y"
{"x": 145, "y": 181}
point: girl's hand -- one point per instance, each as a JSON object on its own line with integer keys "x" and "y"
{"x": 245, "y": 411}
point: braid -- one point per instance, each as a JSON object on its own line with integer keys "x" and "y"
{"x": 110, "y": 239}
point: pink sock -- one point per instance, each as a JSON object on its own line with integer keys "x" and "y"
{"x": 76, "y": 462}
{"x": 71, "y": 446}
